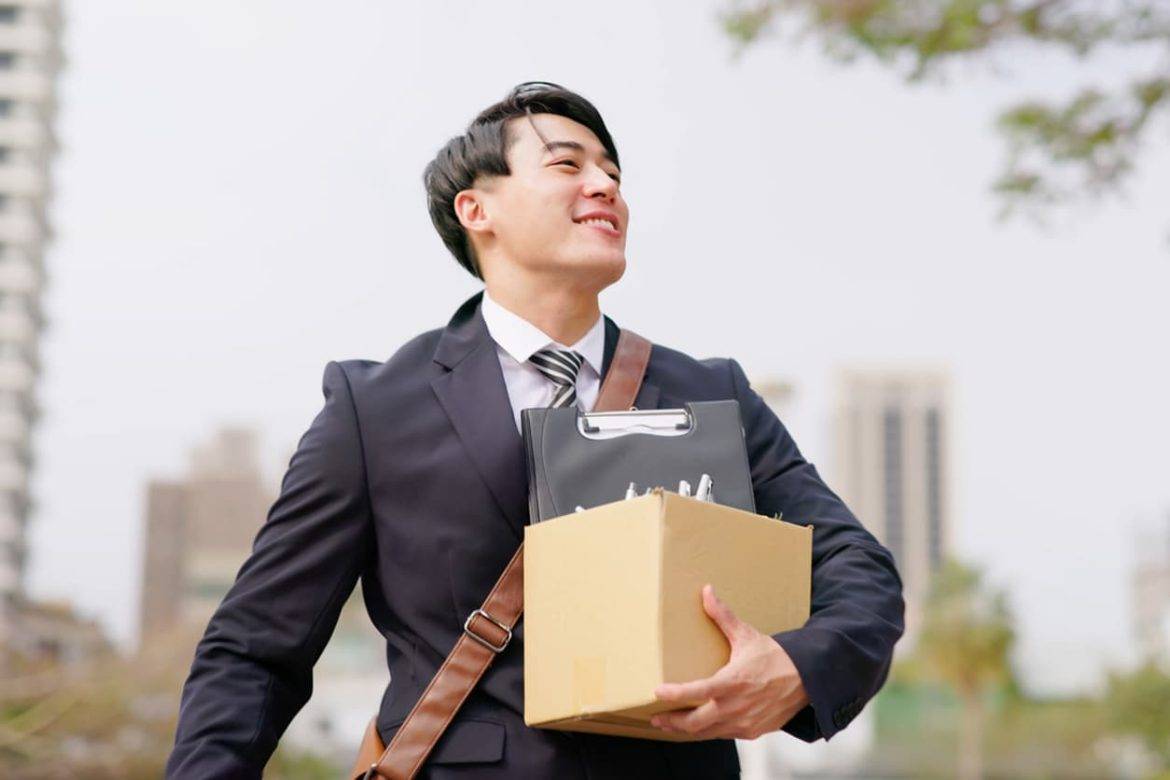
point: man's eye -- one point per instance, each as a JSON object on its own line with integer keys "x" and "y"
{"x": 566, "y": 162}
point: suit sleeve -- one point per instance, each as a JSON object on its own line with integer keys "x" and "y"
{"x": 844, "y": 650}
{"x": 252, "y": 670}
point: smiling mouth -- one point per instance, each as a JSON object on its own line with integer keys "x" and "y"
{"x": 604, "y": 225}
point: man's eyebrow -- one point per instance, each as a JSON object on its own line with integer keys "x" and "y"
{"x": 552, "y": 146}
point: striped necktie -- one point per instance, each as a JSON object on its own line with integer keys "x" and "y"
{"x": 560, "y": 366}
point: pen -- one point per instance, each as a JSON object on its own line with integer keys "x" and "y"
{"x": 703, "y": 493}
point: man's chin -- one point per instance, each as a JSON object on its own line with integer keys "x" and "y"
{"x": 597, "y": 271}
{"x": 605, "y": 270}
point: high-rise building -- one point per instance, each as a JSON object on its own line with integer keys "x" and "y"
{"x": 30, "y": 58}
{"x": 891, "y": 466}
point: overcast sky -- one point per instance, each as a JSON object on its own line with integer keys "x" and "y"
{"x": 239, "y": 201}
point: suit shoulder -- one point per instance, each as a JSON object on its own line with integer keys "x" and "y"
{"x": 408, "y": 358}
{"x": 676, "y": 368}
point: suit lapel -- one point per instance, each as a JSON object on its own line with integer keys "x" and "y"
{"x": 474, "y": 396}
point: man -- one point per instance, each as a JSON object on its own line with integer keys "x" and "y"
{"x": 412, "y": 478}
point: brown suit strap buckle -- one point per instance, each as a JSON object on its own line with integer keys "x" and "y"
{"x": 467, "y": 629}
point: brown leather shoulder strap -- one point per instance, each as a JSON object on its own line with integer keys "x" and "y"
{"x": 624, "y": 377}
{"x": 487, "y": 630}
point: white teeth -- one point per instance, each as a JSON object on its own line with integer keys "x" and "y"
{"x": 597, "y": 222}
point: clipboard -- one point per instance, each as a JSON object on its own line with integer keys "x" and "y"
{"x": 577, "y": 458}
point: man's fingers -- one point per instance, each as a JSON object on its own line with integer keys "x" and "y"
{"x": 693, "y": 691}
{"x": 731, "y": 626}
{"x": 693, "y": 720}
{"x": 680, "y": 693}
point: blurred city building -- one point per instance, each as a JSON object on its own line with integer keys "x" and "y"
{"x": 199, "y": 531}
{"x": 891, "y": 465}
{"x": 30, "y": 58}
{"x": 1150, "y": 592}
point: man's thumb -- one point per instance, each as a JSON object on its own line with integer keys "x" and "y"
{"x": 728, "y": 623}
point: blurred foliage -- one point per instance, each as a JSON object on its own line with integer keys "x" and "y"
{"x": 1138, "y": 703}
{"x": 918, "y": 728}
{"x": 960, "y": 668}
{"x": 967, "y": 632}
{"x": 965, "y": 643}
{"x": 1085, "y": 145}
{"x": 113, "y": 717}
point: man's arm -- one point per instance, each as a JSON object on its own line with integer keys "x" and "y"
{"x": 253, "y": 667}
{"x": 843, "y": 652}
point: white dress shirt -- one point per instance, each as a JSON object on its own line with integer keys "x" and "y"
{"x": 517, "y": 339}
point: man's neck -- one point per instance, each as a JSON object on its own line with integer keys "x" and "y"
{"x": 564, "y": 314}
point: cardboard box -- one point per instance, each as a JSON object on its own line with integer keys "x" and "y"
{"x": 613, "y": 604}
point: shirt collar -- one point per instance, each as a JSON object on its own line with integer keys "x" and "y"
{"x": 521, "y": 339}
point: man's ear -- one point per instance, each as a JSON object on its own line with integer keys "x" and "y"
{"x": 471, "y": 211}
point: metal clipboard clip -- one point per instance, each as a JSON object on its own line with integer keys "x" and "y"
{"x": 655, "y": 422}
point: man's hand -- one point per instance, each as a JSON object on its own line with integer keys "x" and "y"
{"x": 757, "y": 691}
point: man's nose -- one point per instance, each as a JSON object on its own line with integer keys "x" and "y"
{"x": 600, "y": 183}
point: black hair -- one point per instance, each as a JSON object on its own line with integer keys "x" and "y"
{"x": 481, "y": 150}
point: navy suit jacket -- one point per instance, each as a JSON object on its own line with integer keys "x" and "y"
{"x": 412, "y": 479}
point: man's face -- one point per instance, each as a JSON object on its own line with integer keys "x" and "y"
{"x": 560, "y": 211}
